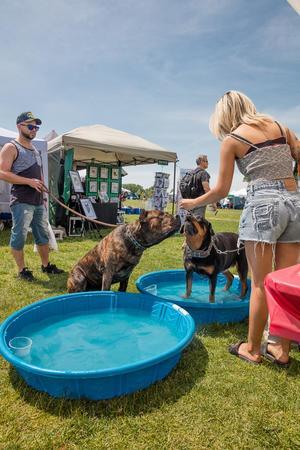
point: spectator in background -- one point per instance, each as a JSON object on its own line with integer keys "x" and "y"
{"x": 195, "y": 183}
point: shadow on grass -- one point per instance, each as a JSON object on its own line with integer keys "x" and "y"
{"x": 189, "y": 371}
{"x": 236, "y": 331}
{"x": 54, "y": 284}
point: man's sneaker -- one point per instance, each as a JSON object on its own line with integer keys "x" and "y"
{"x": 51, "y": 268}
{"x": 26, "y": 274}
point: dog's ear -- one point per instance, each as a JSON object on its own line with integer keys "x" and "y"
{"x": 143, "y": 216}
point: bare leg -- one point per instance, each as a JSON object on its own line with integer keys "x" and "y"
{"x": 19, "y": 258}
{"x": 44, "y": 254}
{"x": 259, "y": 258}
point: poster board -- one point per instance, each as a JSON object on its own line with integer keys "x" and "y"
{"x": 76, "y": 182}
{"x": 88, "y": 208}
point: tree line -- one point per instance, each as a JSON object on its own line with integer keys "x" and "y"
{"x": 139, "y": 190}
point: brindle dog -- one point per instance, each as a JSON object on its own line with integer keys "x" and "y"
{"x": 200, "y": 255}
{"x": 114, "y": 258}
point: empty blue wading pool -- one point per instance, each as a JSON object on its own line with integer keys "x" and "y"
{"x": 95, "y": 345}
{"x": 169, "y": 285}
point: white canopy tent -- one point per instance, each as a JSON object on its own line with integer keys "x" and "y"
{"x": 110, "y": 146}
{"x": 240, "y": 193}
{"x": 40, "y": 144}
{"x": 101, "y": 144}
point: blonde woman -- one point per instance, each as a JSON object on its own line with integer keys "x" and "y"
{"x": 264, "y": 152}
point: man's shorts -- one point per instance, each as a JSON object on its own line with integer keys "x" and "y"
{"x": 271, "y": 214}
{"x": 25, "y": 216}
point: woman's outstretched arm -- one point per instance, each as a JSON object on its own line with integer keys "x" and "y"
{"x": 222, "y": 187}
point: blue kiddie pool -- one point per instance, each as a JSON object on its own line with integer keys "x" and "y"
{"x": 169, "y": 285}
{"x": 95, "y": 345}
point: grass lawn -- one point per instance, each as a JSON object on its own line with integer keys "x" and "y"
{"x": 210, "y": 400}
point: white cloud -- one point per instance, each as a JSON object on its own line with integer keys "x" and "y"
{"x": 280, "y": 35}
{"x": 289, "y": 117}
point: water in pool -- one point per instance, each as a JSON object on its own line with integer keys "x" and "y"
{"x": 200, "y": 290}
{"x": 102, "y": 340}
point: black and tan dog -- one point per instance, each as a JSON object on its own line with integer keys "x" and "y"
{"x": 200, "y": 255}
{"x": 114, "y": 258}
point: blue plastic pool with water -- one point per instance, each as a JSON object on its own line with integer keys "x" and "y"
{"x": 97, "y": 344}
{"x": 169, "y": 285}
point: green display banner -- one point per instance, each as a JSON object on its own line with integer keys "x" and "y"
{"x": 69, "y": 155}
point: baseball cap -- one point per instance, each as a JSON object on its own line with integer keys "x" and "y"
{"x": 28, "y": 116}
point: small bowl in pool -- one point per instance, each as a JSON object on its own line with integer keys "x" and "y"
{"x": 20, "y": 345}
{"x": 97, "y": 345}
{"x": 169, "y": 285}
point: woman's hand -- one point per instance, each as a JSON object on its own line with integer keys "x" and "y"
{"x": 187, "y": 203}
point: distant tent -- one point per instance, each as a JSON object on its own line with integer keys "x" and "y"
{"x": 241, "y": 193}
{"x": 50, "y": 136}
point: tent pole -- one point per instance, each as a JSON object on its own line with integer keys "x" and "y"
{"x": 120, "y": 186}
{"x": 174, "y": 184}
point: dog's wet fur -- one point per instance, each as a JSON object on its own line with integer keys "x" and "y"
{"x": 198, "y": 234}
{"x": 113, "y": 259}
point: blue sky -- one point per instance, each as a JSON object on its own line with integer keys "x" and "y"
{"x": 153, "y": 68}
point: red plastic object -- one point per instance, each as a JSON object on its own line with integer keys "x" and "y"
{"x": 283, "y": 298}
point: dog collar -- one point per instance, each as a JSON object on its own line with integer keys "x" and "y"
{"x": 140, "y": 246}
{"x": 137, "y": 244}
{"x": 199, "y": 253}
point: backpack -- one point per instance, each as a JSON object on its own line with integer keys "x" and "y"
{"x": 191, "y": 185}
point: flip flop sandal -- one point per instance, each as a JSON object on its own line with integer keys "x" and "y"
{"x": 271, "y": 358}
{"x": 234, "y": 350}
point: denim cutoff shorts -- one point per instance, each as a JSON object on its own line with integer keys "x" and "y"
{"x": 271, "y": 214}
{"x": 25, "y": 216}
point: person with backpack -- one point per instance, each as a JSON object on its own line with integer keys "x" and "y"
{"x": 195, "y": 183}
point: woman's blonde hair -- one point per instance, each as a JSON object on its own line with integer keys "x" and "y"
{"x": 232, "y": 110}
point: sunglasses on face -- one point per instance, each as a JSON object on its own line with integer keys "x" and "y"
{"x": 31, "y": 127}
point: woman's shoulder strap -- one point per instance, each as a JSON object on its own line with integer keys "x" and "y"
{"x": 241, "y": 139}
{"x": 282, "y": 130}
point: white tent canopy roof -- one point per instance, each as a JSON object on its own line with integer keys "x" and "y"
{"x": 4, "y": 133}
{"x": 104, "y": 144}
{"x": 241, "y": 193}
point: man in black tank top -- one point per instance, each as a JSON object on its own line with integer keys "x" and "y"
{"x": 21, "y": 165}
